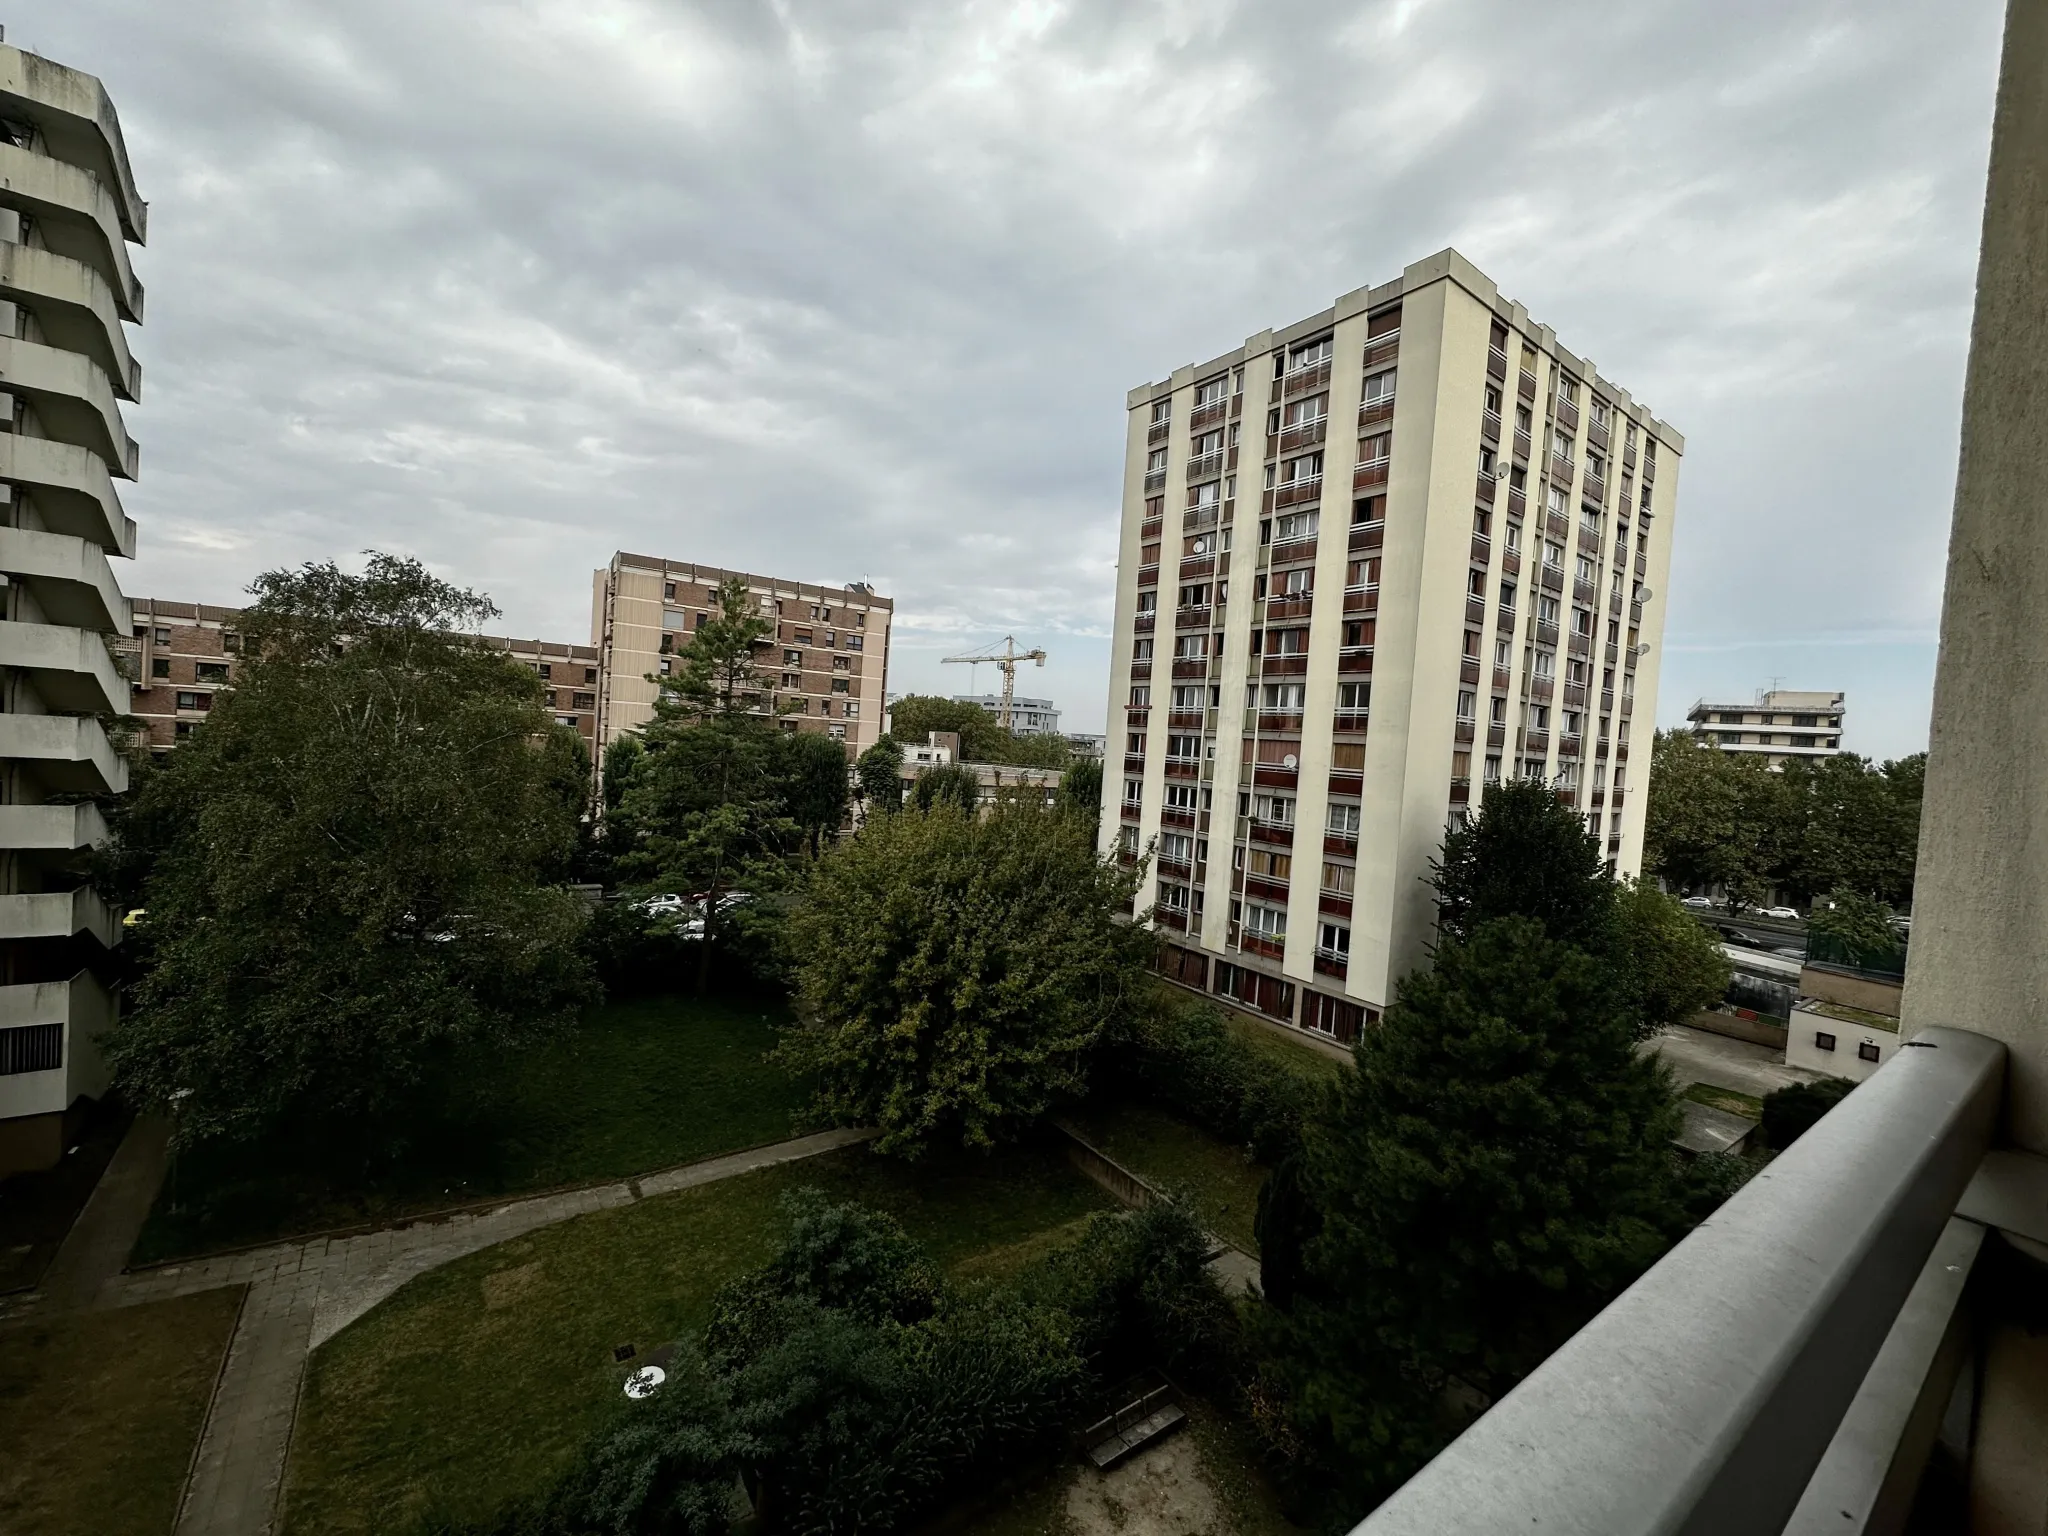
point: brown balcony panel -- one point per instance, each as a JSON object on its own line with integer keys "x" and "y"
{"x": 1468, "y": 670}
{"x": 1510, "y": 563}
{"x": 1334, "y": 904}
{"x": 1500, "y": 679}
{"x": 1273, "y": 776}
{"x": 1536, "y": 743}
{"x": 1191, "y": 618}
{"x": 1207, "y": 467}
{"x": 1461, "y": 791}
{"x": 1294, "y": 552}
{"x": 1206, "y": 416}
{"x": 1302, "y": 493}
{"x": 1131, "y": 812}
{"x": 1568, "y": 746}
{"x": 1558, "y": 526}
{"x": 1525, "y": 385}
{"x": 1583, "y": 593}
{"x": 1236, "y": 406}
{"x": 1170, "y": 918}
{"x": 1497, "y": 364}
{"x": 1197, "y": 667}
{"x": 1185, "y": 720}
{"x": 1382, "y": 351}
{"x": 1475, "y": 609}
{"x": 1157, "y": 433}
{"x": 1296, "y": 607}
{"x": 1482, "y": 549}
{"x": 1148, "y": 575}
{"x": 1305, "y": 434}
{"x": 1540, "y": 687}
{"x": 1271, "y": 834}
{"x": 1349, "y": 723}
{"x": 1364, "y": 600}
{"x": 1485, "y": 489}
{"x": 1305, "y": 381}
{"x": 1350, "y": 663}
{"x": 1373, "y": 413}
{"x": 1628, "y": 705}
{"x": 1595, "y": 490}
{"x": 1144, "y": 621}
{"x": 1195, "y": 566}
{"x": 1283, "y": 666}
{"x": 1328, "y": 965}
{"x": 1366, "y": 476}
{"x": 1642, "y": 566}
{"x": 1597, "y": 435}
{"x": 1462, "y": 730}
{"x": 1279, "y": 725}
{"x": 1518, "y": 501}
{"x": 1496, "y": 735}
{"x": 1523, "y": 445}
{"x": 1504, "y": 619}
{"x": 1183, "y": 768}
{"x": 1265, "y": 890}
{"x": 1156, "y": 481}
{"x": 1151, "y": 528}
{"x": 1568, "y": 414}
{"x": 1343, "y": 847}
{"x": 1368, "y": 536}
{"x": 1134, "y": 762}
{"x": 1178, "y": 869}
{"x": 1253, "y": 944}
{"x": 1574, "y": 695}
{"x": 1552, "y": 578}
{"x": 1135, "y": 714}
{"x": 1347, "y": 784}
{"x": 1489, "y": 427}
{"x": 1579, "y": 645}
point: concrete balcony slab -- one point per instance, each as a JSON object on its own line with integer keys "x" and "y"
{"x": 76, "y": 215}
{"x": 83, "y": 1008}
{"x": 73, "y": 398}
{"x": 78, "y": 123}
{"x": 71, "y": 669}
{"x": 75, "y": 309}
{"x": 68, "y": 754}
{"x": 71, "y": 489}
{"x": 67, "y": 577}
{"x": 59, "y": 915}
{"x": 51, "y": 829}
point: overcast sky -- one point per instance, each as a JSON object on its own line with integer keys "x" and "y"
{"x": 855, "y": 289}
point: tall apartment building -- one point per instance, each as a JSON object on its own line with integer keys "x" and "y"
{"x": 1778, "y": 724}
{"x": 68, "y": 212}
{"x": 1444, "y": 564}
{"x": 826, "y": 658}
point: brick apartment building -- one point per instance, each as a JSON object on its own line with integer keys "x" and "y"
{"x": 1326, "y": 647}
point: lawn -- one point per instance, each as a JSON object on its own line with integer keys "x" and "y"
{"x": 640, "y": 1085}
{"x": 1746, "y": 1105}
{"x": 476, "y": 1383}
{"x": 37, "y": 1209}
{"x": 1268, "y": 1041}
{"x": 99, "y": 1414}
{"x": 1169, "y": 1153}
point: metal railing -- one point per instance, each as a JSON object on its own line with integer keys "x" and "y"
{"x": 1704, "y": 1398}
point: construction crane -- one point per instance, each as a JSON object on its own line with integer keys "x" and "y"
{"x": 1006, "y": 658}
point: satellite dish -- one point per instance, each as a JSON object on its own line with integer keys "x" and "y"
{"x": 1644, "y": 594}
{"x": 645, "y": 1382}
{"x": 1290, "y": 761}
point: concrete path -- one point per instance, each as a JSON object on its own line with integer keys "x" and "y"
{"x": 1698, "y": 1057}
{"x": 104, "y": 1233}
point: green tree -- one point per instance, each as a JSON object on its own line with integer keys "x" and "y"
{"x": 815, "y": 784}
{"x": 1525, "y": 854}
{"x": 955, "y": 969}
{"x": 352, "y": 865}
{"x": 879, "y": 770}
{"x": 953, "y": 784}
{"x": 1717, "y": 818}
{"x": 1081, "y": 791}
{"x": 982, "y": 738}
{"x": 1495, "y": 1170}
{"x": 1858, "y": 929}
{"x": 1673, "y": 966}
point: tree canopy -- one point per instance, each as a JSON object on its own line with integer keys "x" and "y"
{"x": 982, "y": 738}
{"x": 955, "y": 968}
{"x": 352, "y": 866}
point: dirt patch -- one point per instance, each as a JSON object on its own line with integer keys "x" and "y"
{"x": 1160, "y": 1492}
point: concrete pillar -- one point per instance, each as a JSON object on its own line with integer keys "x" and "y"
{"x": 1979, "y": 957}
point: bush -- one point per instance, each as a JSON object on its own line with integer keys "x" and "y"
{"x": 1790, "y": 1113}
{"x": 1183, "y": 1055}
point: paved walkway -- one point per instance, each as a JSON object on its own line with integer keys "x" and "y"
{"x": 1698, "y": 1057}
{"x": 104, "y": 1233}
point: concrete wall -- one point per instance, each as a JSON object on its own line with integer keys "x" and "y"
{"x": 1848, "y": 1058}
{"x": 1979, "y": 954}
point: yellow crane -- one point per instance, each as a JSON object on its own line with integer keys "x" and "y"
{"x": 1006, "y": 658}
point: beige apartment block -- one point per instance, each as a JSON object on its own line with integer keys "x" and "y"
{"x": 1445, "y": 565}
{"x": 1778, "y": 724}
{"x": 826, "y": 658}
{"x": 68, "y": 211}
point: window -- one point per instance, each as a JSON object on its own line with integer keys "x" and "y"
{"x": 1823, "y": 1041}
{"x": 1600, "y": 414}
{"x": 792, "y": 658}
{"x": 160, "y": 666}
{"x": 1466, "y": 704}
{"x": 801, "y": 636}
{"x": 568, "y": 720}
{"x": 1287, "y": 642}
{"x": 1507, "y": 595}
{"x": 1553, "y": 555}
{"x": 667, "y": 666}
{"x": 842, "y": 664}
{"x": 1206, "y": 444}
{"x": 1283, "y": 698}
{"x": 1362, "y": 574}
{"x": 163, "y": 637}
{"x": 1586, "y": 570}
{"x": 1266, "y": 922}
{"x": 1301, "y": 470}
{"x": 1544, "y": 665}
{"x": 1486, "y": 460}
{"x": 232, "y": 643}
{"x": 1268, "y": 865}
{"x": 1195, "y": 595}
{"x": 1162, "y": 412}
{"x": 1186, "y": 648}
{"x": 1369, "y": 509}
{"x": 1177, "y": 848}
{"x": 1334, "y": 940}
{"x": 1567, "y": 390}
{"x": 1337, "y": 879}
{"x": 855, "y": 643}
{"x": 1186, "y": 749}
{"x": 1187, "y": 696}
{"x": 1148, "y": 602}
{"x": 1274, "y": 810}
{"x": 1493, "y": 770}
{"x": 544, "y": 669}
{"x": 1866, "y": 1050}
{"x": 1498, "y": 712}
{"x": 842, "y": 685}
{"x": 1141, "y": 696}
{"x": 1514, "y": 538}
{"x": 1379, "y": 389}
{"x": 1302, "y": 413}
{"x": 1354, "y": 698}
{"x": 1289, "y": 526}
{"x": 181, "y": 730}
{"x": 1179, "y": 797}
{"x": 1308, "y": 355}
{"x": 1376, "y": 449}
{"x": 590, "y": 674}
{"x": 1341, "y": 821}
{"x": 1134, "y": 791}
{"x": 1141, "y": 648}
{"x": 198, "y": 701}
{"x": 1582, "y": 622}
{"x": 1297, "y": 583}
{"x": 1155, "y": 463}
{"x": 583, "y": 701}
{"x": 836, "y": 732}
{"x": 1546, "y": 609}
{"x": 1561, "y": 445}
{"x": 1500, "y": 654}
{"x": 1210, "y": 391}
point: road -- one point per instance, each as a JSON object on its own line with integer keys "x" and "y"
{"x": 1698, "y": 1057}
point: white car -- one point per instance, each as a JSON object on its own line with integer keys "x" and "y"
{"x": 1788, "y": 914}
{"x": 1701, "y": 902}
{"x": 670, "y": 905}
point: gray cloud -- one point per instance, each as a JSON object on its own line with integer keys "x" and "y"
{"x": 855, "y": 289}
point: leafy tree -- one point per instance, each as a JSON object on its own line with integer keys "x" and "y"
{"x": 1672, "y": 965}
{"x": 955, "y": 970}
{"x": 953, "y": 784}
{"x": 1497, "y": 1168}
{"x": 982, "y": 738}
{"x": 1081, "y": 791}
{"x": 1790, "y": 1112}
{"x": 1526, "y": 854}
{"x": 1858, "y": 928}
{"x": 815, "y": 786}
{"x": 350, "y": 865}
{"x": 879, "y": 770}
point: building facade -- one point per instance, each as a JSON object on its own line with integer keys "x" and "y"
{"x": 68, "y": 213}
{"x": 1028, "y": 717}
{"x": 826, "y": 658}
{"x": 1779, "y": 724}
{"x": 569, "y": 674}
{"x": 1443, "y": 565}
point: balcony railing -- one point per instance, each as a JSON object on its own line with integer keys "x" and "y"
{"x": 1785, "y": 1367}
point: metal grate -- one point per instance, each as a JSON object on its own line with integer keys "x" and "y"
{"x": 31, "y": 1048}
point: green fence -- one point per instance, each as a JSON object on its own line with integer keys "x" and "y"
{"x": 1827, "y": 949}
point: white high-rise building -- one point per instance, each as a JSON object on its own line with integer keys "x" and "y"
{"x": 1777, "y": 725}
{"x": 68, "y": 212}
{"x": 1445, "y": 565}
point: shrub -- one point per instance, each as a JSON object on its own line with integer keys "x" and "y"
{"x": 1790, "y": 1112}
{"x": 1184, "y": 1055}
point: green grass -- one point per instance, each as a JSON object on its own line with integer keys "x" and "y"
{"x": 1169, "y": 1153}
{"x": 37, "y": 1209}
{"x": 99, "y": 1414}
{"x": 1746, "y": 1105}
{"x": 1272, "y": 1043}
{"x": 475, "y": 1385}
{"x": 641, "y": 1085}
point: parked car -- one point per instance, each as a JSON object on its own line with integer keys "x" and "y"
{"x": 1703, "y": 903}
{"x": 1784, "y": 914}
{"x": 694, "y": 928}
{"x": 669, "y": 905}
{"x": 1788, "y": 952}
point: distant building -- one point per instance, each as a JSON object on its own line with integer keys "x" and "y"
{"x": 1028, "y": 717}
{"x": 1081, "y": 744}
{"x": 941, "y": 749}
{"x": 1779, "y": 724}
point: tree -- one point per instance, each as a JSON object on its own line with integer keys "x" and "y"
{"x": 1790, "y": 1112}
{"x": 955, "y": 969}
{"x": 1081, "y": 791}
{"x": 879, "y": 770}
{"x": 1674, "y": 968}
{"x": 815, "y": 787}
{"x": 1497, "y": 1167}
{"x": 351, "y": 865}
{"x": 1854, "y": 930}
{"x": 1525, "y": 854}
{"x": 982, "y": 738}
{"x": 953, "y": 784}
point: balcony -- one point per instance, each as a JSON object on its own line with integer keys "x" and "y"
{"x": 75, "y": 309}
{"x": 1475, "y": 608}
{"x": 1148, "y": 575}
{"x": 1489, "y": 427}
{"x": 1293, "y": 552}
{"x": 1382, "y": 349}
{"x": 1369, "y": 474}
{"x": 1191, "y": 618}
{"x": 1567, "y": 413}
{"x": 68, "y": 577}
{"x": 1179, "y": 869}
{"x": 1362, "y": 600}
{"x": 81, "y": 1007}
{"x": 59, "y": 915}
{"x": 1497, "y": 364}
{"x": 1374, "y": 413}
{"x": 1207, "y": 467}
{"x": 1155, "y": 480}
{"x": 1298, "y": 605}
{"x": 1170, "y": 917}
{"x": 1150, "y": 530}
{"x": 1185, "y": 719}
{"x": 1355, "y": 661}
{"x": 1206, "y": 416}
{"x": 1258, "y": 944}
{"x": 73, "y": 398}
{"x": 71, "y": 669}
{"x": 71, "y": 487}
{"x": 1329, "y": 963}
{"x": 51, "y": 829}
{"x": 1299, "y": 493}
{"x": 1184, "y": 666}
{"x": 1196, "y": 567}
{"x": 67, "y": 754}
{"x": 1144, "y": 622}
{"x": 1368, "y": 536}
{"x": 77, "y": 217}
{"x": 1195, "y": 519}
{"x": 1157, "y": 433}
{"x": 1303, "y": 434}
{"x": 1305, "y": 381}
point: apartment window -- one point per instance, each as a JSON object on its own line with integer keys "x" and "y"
{"x": 1289, "y": 526}
{"x": 1379, "y": 389}
{"x": 1514, "y": 538}
{"x": 1553, "y": 555}
{"x": 1358, "y": 634}
{"x": 836, "y": 732}
{"x": 1586, "y": 570}
{"x": 668, "y": 591}
{"x": 1302, "y": 413}
{"x": 1466, "y": 704}
{"x": 197, "y": 701}
{"x": 1177, "y": 848}
{"x": 1546, "y": 610}
{"x": 1341, "y": 821}
{"x": 856, "y": 643}
{"x": 544, "y": 669}
{"x": 1369, "y": 509}
{"x": 1362, "y": 574}
{"x": 1582, "y": 621}
{"x": 1334, "y": 940}
{"x": 1281, "y": 698}
{"x": 1210, "y": 391}
{"x": 1274, "y": 810}
{"x": 1195, "y": 595}
{"x": 1475, "y": 583}
{"x": 1540, "y": 717}
{"x": 1297, "y": 583}
{"x": 583, "y": 701}
{"x": 568, "y": 720}
{"x": 1141, "y": 695}
{"x": 1572, "y": 720}
{"x": 1266, "y": 922}
{"x": 590, "y": 674}
{"x": 1174, "y": 898}
{"x": 181, "y": 730}
{"x": 1187, "y": 697}
{"x": 1507, "y": 595}
{"x": 1866, "y": 1050}
{"x": 1155, "y": 462}
{"x": 842, "y": 685}
{"x": 1302, "y": 469}
{"x": 1186, "y": 749}
{"x": 1544, "y": 664}
{"x": 1376, "y": 449}
{"x": 667, "y": 666}
{"x": 1309, "y": 355}
{"x": 1337, "y": 879}
{"x": 1596, "y": 466}
{"x": 792, "y": 658}
{"x": 1493, "y": 770}
{"x": 1823, "y": 1041}
{"x": 1162, "y": 412}
{"x": 1497, "y": 713}
{"x": 1287, "y": 642}
{"x": 31, "y": 1048}
{"x": 1500, "y": 654}
{"x": 1134, "y": 791}
{"x": 1561, "y": 445}
{"x": 230, "y": 642}
{"x": 1148, "y": 601}
{"x": 163, "y": 637}
{"x": 842, "y": 664}
{"x": 160, "y": 666}
{"x": 1180, "y": 797}
{"x": 1567, "y": 390}
{"x": 1486, "y": 460}
{"x": 1354, "y": 698}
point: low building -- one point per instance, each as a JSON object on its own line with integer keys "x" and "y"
{"x": 1028, "y": 717}
{"x": 1779, "y": 724}
{"x": 1082, "y": 744}
{"x": 179, "y": 656}
{"x": 941, "y": 749}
